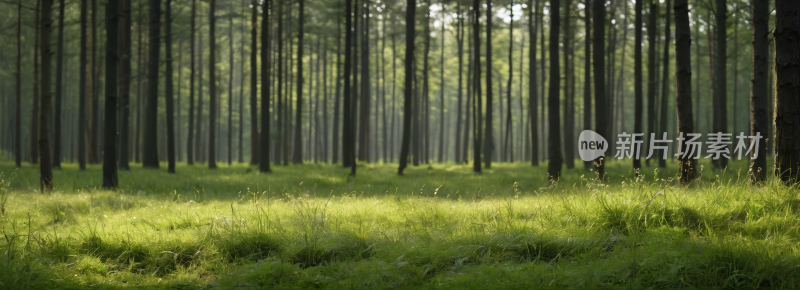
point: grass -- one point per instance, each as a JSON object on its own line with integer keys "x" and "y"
{"x": 439, "y": 226}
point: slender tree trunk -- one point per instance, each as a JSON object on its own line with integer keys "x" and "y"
{"x": 336, "y": 104}
{"x": 112, "y": 65}
{"x": 459, "y": 101}
{"x": 230, "y": 87}
{"x": 720, "y": 74}
{"x": 383, "y": 92}
{"x": 241, "y": 83}
{"x": 476, "y": 97}
{"x": 168, "y": 88}
{"x": 212, "y": 87}
{"x": 407, "y": 90}
{"x": 554, "y": 139}
{"x": 652, "y": 30}
{"x": 59, "y": 89}
{"x": 587, "y": 72}
{"x": 508, "y": 147}
{"x": 758, "y": 90}
{"x": 150, "y": 150}
{"x": 364, "y": 134}
{"x": 18, "y": 120}
{"x": 199, "y": 148}
{"x": 95, "y": 87}
{"x": 683, "y": 76}
{"x": 124, "y": 87}
{"x": 264, "y": 142}
{"x": 35, "y": 105}
{"x": 787, "y": 97}
{"x": 488, "y": 140}
{"x": 45, "y": 165}
{"x": 297, "y": 156}
{"x": 662, "y": 162}
{"x": 598, "y": 58}
{"x": 325, "y": 106}
{"x": 637, "y": 82}
{"x": 441, "y": 104}
{"x": 569, "y": 91}
{"x": 190, "y": 149}
{"x": 533, "y": 96}
{"x": 348, "y": 154}
{"x": 394, "y": 86}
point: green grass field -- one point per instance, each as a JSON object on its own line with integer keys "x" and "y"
{"x": 439, "y": 226}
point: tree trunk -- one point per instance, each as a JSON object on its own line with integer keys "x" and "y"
{"x": 45, "y": 164}
{"x": 662, "y": 162}
{"x": 652, "y": 31}
{"x": 150, "y": 150}
{"x": 507, "y": 144}
{"x": 598, "y": 58}
{"x": 111, "y": 90}
{"x": 212, "y": 87}
{"x": 637, "y": 82}
{"x": 264, "y": 139}
{"x": 407, "y": 88}
{"x": 59, "y": 89}
{"x": 124, "y": 87}
{"x": 348, "y": 152}
{"x": 363, "y": 135}
{"x": 383, "y": 94}
{"x": 787, "y": 97}
{"x": 337, "y": 101}
{"x": 488, "y": 140}
{"x": 459, "y": 100}
{"x": 297, "y": 156}
{"x": 168, "y": 88}
{"x": 587, "y": 72}
{"x": 230, "y": 87}
{"x": 476, "y": 93}
{"x": 569, "y": 91}
{"x": 35, "y": 105}
{"x": 554, "y": 165}
{"x": 441, "y": 104}
{"x": 18, "y": 120}
{"x": 95, "y": 87}
{"x": 720, "y": 74}
{"x": 190, "y": 149}
{"x": 683, "y": 76}
{"x": 758, "y": 90}
{"x": 394, "y": 86}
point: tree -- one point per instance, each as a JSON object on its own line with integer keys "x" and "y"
{"x": 45, "y": 163}
{"x": 364, "y": 126}
{"x": 652, "y": 18}
{"x": 758, "y": 89}
{"x": 150, "y": 143}
{"x": 212, "y": 87}
{"x": 441, "y": 98}
{"x": 111, "y": 90}
{"x": 255, "y": 157}
{"x": 230, "y": 87}
{"x": 18, "y": 121}
{"x": 662, "y": 162}
{"x": 587, "y": 72}
{"x": 338, "y": 100}
{"x": 683, "y": 76}
{"x": 35, "y": 106}
{"x": 59, "y": 88}
{"x": 476, "y": 83}
{"x": 720, "y": 73}
{"x": 407, "y": 88}
{"x": 459, "y": 114}
{"x": 637, "y": 75}
{"x": 508, "y": 146}
{"x": 569, "y": 88}
{"x": 488, "y": 140}
{"x": 554, "y": 139}
{"x": 124, "y": 86}
{"x": 787, "y": 94}
{"x": 297, "y": 156}
{"x": 264, "y": 162}
{"x": 348, "y": 152}
{"x": 533, "y": 97}
{"x": 168, "y": 88}
{"x": 190, "y": 150}
{"x": 598, "y": 59}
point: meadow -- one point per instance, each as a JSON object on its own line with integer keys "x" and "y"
{"x": 439, "y": 226}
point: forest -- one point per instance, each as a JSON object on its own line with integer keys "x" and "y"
{"x": 311, "y": 143}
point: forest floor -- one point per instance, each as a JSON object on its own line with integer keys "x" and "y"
{"x": 439, "y": 226}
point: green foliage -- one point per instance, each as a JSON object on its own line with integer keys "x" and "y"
{"x": 310, "y": 226}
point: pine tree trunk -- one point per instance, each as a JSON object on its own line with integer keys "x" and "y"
{"x": 587, "y": 72}
{"x": 383, "y": 93}
{"x": 441, "y": 104}
{"x": 45, "y": 164}
{"x": 598, "y": 58}
{"x": 758, "y": 90}
{"x": 35, "y": 105}
{"x": 662, "y": 162}
{"x": 150, "y": 146}
{"x": 112, "y": 62}
{"x": 476, "y": 93}
{"x": 554, "y": 138}
{"x": 637, "y": 82}
{"x": 168, "y": 88}
{"x": 787, "y": 94}
{"x": 488, "y": 140}
{"x": 190, "y": 149}
{"x": 264, "y": 140}
{"x": 459, "y": 100}
{"x": 230, "y": 87}
{"x": 569, "y": 91}
{"x": 407, "y": 88}
{"x": 95, "y": 87}
{"x": 18, "y": 113}
{"x": 720, "y": 74}
{"x": 124, "y": 87}
{"x": 297, "y": 156}
{"x": 212, "y": 87}
{"x": 683, "y": 76}
{"x": 59, "y": 89}
{"x": 364, "y": 126}
{"x": 338, "y": 99}
{"x": 652, "y": 31}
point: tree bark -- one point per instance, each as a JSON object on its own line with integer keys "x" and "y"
{"x": 476, "y": 93}
{"x": 441, "y": 99}
{"x": 59, "y": 88}
{"x": 297, "y": 156}
{"x": 364, "y": 106}
{"x": 720, "y": 74}
{"x": 787, "y": 93}
{"x": 18, "y": 120}
{"x": 168, "y": 88}
{"x": 662, "y": 162}
{"x": 264, "y": 139}
{"x": 337, "y": 101}
{"x": 683, "y": 76}
{"x": 587, "y": 72}
{"x": 348, "y": 152}
{"x": 407, "y": 88}
{"x": 35, "y": 105}
{"x": 124, "y": 87}
{"x": 111, "y": 90}
{"x": 637, "y": 82}
{"x": 230, "y": 87}
{"x": 45, "y": 164}
{"x": 508, "y": 148}
{"x": 554, "y": 164}
{"x": 569, "y": 89}
{"x": 212, "y": 87}
{"x": 190, "y": 149}
{"x": 758, "y": 89}
{"x": 150, "y": 149}
{"x": 598, "y": 58}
